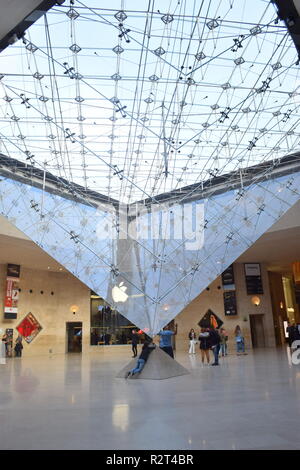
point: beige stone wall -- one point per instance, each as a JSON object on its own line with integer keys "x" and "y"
{"x": 52, "y": 311}
{"x": 246, "y": 307}
{"x": 213, "y": 299}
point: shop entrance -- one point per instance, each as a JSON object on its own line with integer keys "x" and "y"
{"x": 257, "y": 331}
{"x": 74, "y": 337}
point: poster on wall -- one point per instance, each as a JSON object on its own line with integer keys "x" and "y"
{"x": 228, "y": 278}
{"x": 12, "y": 292}
{"x": 229, "y": 295}
{"x": 230, "y": 302}
{"x": 29, "y": 327}
{"x": 253, "y": 279}
{"x": 210, "y": 320}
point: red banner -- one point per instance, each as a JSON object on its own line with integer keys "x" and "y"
{"x": 12, "y": 291}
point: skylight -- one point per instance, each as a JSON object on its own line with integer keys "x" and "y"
{"x": 146, "y": 97}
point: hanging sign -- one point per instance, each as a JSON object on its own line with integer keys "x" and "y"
{"x": 230, "y": 302}
{"x": 228, "y": 278}
{"x": 229, "y": 295}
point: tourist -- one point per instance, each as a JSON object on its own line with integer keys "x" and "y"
{"x": 134, "y": 342}
{"x": 2, "y": 351}
{"x": 193, "y": 341}
{"x": 296, "y": 335}
{"x": 165, "y": 341}
{"x": 290, "y": 330}
{"x": 215, "y": 344}
{"x": 204, "y": 344}
{"x": 107, "y": 338}
{"x": 18, "y": 346}
{"x": 94, "y": 338}
{"x": 6, "y": 341}
{"x": 239, "y": 339}
{"x": 223, "y": 342}
{"x": 147, "y": 348}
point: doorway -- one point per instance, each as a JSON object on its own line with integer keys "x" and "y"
{"x": 74, "y": 337}
{"x": 257, "y": 331}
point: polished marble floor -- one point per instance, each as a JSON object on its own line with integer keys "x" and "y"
{"x": 75, "y": 402}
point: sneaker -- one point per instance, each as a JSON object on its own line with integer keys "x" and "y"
{"x": 215, "y": 364}
{"x": 128, "y": 374}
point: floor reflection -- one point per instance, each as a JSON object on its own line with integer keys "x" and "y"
{"x": 76, "y": 402}
{"x": 120, "y": 416}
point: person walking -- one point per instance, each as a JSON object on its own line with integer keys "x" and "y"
{"x": 193, "y": 341}
{"x": 134, "y": 342}
{"x": 204, "y": 344}
{"x": 240, "y": 342}
{"x": 165, "y": 341}
{"x": 223, "y": 342}
{"x": 6, "y": 344}
{"x": 2, "y": 351}
{"x": 215, "y": 344}
{"x": 18, "y": 346}
{"x": 288, "y": 331}
{"x": 147, "y": 348}
{"x": 293, "y": 334}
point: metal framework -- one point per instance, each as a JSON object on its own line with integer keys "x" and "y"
{"x": 146, "y": 143}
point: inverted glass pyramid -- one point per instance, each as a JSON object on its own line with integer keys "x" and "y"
{"x": 149, "y": 261}
{"x": 114, "y": 105}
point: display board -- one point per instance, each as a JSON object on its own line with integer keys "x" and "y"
{"x": 229, "y": 294}
{"x": 230, "y": 307}
{"x": 253, "y": 279}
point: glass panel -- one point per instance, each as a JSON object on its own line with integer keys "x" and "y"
{"x": 109, "y": 327}
{"x": 149, "y": 281}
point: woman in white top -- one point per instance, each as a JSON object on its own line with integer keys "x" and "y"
{"x": 193, "y": 341}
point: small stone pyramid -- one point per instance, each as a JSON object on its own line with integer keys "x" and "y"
{"x": 158, "y": 366}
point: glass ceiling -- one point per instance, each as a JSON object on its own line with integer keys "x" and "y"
{"x": 145, "y": 97}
